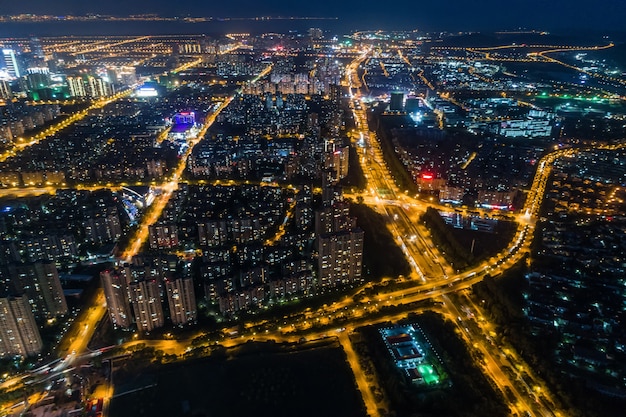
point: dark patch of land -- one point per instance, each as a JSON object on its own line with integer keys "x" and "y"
{"x": 253, "y": 380}
{"x": 356, "y": 178}
{"x": 381, "y": 255}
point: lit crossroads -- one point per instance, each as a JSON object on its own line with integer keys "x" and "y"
{"x": 439, "y": 280}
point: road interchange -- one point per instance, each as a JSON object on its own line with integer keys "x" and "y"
{"x": 432, "y": 278}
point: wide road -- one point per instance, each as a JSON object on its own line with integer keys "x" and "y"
{"x": 388, "y": 199}
{"x": 359, "y": 375}
{"x": 421, "y": 256}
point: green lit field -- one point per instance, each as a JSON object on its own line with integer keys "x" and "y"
{"x": 429, "y": 374}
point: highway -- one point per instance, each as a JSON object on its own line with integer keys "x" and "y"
{"x": 101, "y": 45}
{"x": 507, "y": 358}
{"x": 544, "y": 55}
{"x": 420, "y": 254}
{"x": 421, "y": 259}
{"x": 82, "y": 329}
{"x": 432, "y": 279}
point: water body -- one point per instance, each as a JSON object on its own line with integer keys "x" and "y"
{"x": 97, "y": 28}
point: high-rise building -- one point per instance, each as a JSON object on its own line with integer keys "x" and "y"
{"x": 50, "y": 247}
{"x": 10, "y": 63}
{"x": 126, "y": 75}
{"x": 36, "y": 49}
{"x": 163, "y": 236}
{"x": 336, "y": 159}
{"x": 97, "y": 87}
{"x": 412, "y": 104}
{"x": 40, "y": 282}
{"x": 334, "y": 92}
{"x": 92, "y": 87}
{"x": 137, "y": 272}
{"x": 6, "y": 138}
{"x": 397, "y": 102}
{"x": 37, "y": 78}
{"x": 339, "y": 246}
{"x": 104, "y": 228}
{"x": 331, "y": 191}
{"x": 5, "y": 90}
{"x": 334, "y": 218}
{"x": 182, "y": 300}
{"x": 19, "y": 334}
{"x": 269, "y": 103}
{"x": 213, "y": 233}
{"x": 315, "y": 33}
{"x": 340, "y": 258}
{"x": 146, "y": 301}
{"x": 117, "y": 296}
{"x": 76, "y": 86}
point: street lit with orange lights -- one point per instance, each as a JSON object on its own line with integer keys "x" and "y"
{"x": 434, "y": 283}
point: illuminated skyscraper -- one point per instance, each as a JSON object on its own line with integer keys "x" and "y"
{"x": 5, "y": 90}
{"x": 40, "y": 282}
{"x": 339, "y": 246}
{"x": 334, "y": 218}
{"x": 146, "y": 302}
{"x": 116, "y": 293}
{"x": 76, "y": 86}
{"x": 37, "y": 78}
{"x": 96, "y": 87}
{"x": 182, "y": 301}
{"x": 10, "y": 63}
{"x": 19, "y": 334}
{"x": 340, "y": 258}
{"x": 336, "y": 159}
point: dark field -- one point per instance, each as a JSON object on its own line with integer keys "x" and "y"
{"x": 315, "y": 382}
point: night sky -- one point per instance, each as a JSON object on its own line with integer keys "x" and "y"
{"x": 602, "y": 15}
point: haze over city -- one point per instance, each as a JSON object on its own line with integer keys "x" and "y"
{"x": 453, "y": 15}
{"x": 314, "y": 209}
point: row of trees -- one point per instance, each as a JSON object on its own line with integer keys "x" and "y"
{"x": 381, "y": 255}
{"x": 384, "y": 132}
{"x": 460, "y": 256}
